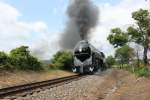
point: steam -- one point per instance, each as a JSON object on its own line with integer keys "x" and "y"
{"x": 83, "y": 16}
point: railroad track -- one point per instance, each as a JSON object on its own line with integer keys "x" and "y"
{"x": 12, "y": 91}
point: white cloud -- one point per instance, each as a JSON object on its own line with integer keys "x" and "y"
{"x": 111, "y": 16}
{"x": 15, "y": 32}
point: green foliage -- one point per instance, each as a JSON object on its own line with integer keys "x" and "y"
{"x": 142, "y": 18}
{"x": 19, "y": 58}
{"x": 110, "y": 60}
{"x": 143, "y": 71}
{"x": 138, "y": 33}
{"x": 3, "y": 58}
{"x": 124, "y": 54}
{"x": 62, "y": 60}
{"x": 135, "y": 35}
{"x": 141, "y": 33}
{"x": 139, "y": 71}
{"x": 22, "y": 59}
{"x": 4, "y": 62}
{"x": 118, "y": 37}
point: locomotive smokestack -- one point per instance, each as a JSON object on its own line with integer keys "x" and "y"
{"x": 82, "y": 17}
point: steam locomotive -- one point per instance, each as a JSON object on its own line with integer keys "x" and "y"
{"x": 87, "y": 59}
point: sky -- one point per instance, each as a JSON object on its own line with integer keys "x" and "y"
{"x": 39, "y": 23}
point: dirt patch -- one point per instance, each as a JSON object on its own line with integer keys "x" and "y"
{"x": 8, "y": 79}
{"x": 122, "y": 85}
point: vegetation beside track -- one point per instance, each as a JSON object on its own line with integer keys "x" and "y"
{"x": 138, "y": 71}
{"x": 21, "y": 59}
{"x": 131, "y": 44}
{"x": 62, "y": 60}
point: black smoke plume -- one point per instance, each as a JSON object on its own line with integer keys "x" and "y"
{"x": 82, "y": 17}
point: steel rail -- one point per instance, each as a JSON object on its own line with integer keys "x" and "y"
{"x": 10, "y": 91}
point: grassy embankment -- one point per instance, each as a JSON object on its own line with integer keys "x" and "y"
{"x": 140, "y": 71}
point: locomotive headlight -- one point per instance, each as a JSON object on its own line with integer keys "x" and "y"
{"x": 80, "y": 49}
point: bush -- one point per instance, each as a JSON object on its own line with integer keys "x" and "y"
{"x": 139, "y": 71}
{"x": 4, "y": 62}
{"x": 143, "y": 71}
{"x": 62, "y": 60}
{"x": 19, "y": 58}
{"x": 110, "y": 61}
{"x": 3, "y": 58}
{"x": 22, "y": 59}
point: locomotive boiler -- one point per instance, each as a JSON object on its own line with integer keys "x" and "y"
{"x": 87, "y": 59}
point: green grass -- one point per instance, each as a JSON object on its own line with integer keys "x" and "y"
{"x": 139, "y": 71}
{"x": 142, "y": 71}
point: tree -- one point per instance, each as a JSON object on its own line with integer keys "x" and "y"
{"x": 62, "y": 60}
{"x": 110, "y": 60}
{"x": 3, "y": 58}
{"x": 5, "y": 62}
{"x": 117, "y": 37}
{"x": 140, "y": 33}
{"x": 124, "y": 54}
{"x": 22, "y": 59}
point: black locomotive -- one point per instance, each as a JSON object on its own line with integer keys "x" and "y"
{"x": 87, "y": 59}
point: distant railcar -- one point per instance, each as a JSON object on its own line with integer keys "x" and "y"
{"x": 87, "y": 59}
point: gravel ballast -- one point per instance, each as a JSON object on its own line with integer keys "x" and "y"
{"x": 83, "y": 89}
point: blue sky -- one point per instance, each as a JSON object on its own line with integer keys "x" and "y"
{"x": 49, "y": 11}
{"x": 52, "y": 12}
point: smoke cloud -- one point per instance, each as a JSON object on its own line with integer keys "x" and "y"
{"x": 82, "y": 17}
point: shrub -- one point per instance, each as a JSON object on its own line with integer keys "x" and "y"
{"x": 139, "y": 71}
{"x": 143, "y": 71}
{"x": 3, "y": 58}
{"x": 62, "y": 60}
{"x": 22, "y": 59}
{"x": 110, "y": 60}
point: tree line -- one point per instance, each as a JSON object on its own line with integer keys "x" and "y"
{"x": 137, "y": 34}
{"x": 19, "y": 59}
